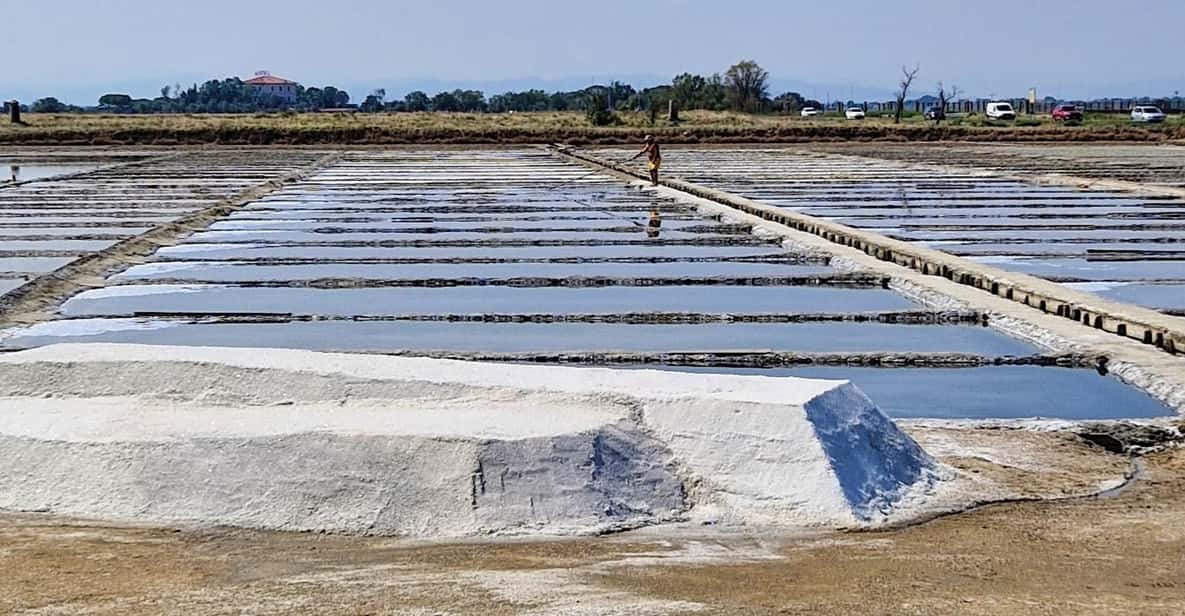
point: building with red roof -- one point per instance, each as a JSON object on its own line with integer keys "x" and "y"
{"x": 267, "y": 84}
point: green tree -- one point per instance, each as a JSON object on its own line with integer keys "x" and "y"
{"x": 330, "y": 97}
{"x": 688, "y": 90}
{"x": 310, "y": 98}
{"x": 789, "y": 102}
{"x": 748, "y": 86}
{"x": 715, "y": 94}
{"x": 560, "y": 102}
{"x": 473, "y": 101}
{"x": 417, "y": 101}
{"x": 445, "y": 101}
{"x": 48, "y": 104}
{"x": 597, "y": 108}
{"x": 115, "y": 100}
{"x": 372, "y": 104}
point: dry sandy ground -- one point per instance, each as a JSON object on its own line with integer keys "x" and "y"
{"x": 1124, "y": 554}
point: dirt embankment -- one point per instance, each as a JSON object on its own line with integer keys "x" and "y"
{"x": 363, "y": 134}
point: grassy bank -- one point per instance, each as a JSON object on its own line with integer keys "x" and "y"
{"x": 543, "y": 127}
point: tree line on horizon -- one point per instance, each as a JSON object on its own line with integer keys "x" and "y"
{"x": 743, "y": 87}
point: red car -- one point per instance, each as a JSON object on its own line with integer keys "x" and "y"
{"x": 1067, "y": 113}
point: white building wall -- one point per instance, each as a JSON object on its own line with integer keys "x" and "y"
{"x": 286, "y": 92}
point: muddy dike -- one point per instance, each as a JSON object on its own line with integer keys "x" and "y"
{"x": 1126, "y": 437}
{"x": 374, "y": 135}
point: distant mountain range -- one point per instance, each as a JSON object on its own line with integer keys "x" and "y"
{"x": 79, "y": 93}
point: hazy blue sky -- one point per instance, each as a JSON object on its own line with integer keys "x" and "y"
{"x": 1071, "y": 47}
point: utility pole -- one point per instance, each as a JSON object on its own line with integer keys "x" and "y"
{"x": 14, "y": 112}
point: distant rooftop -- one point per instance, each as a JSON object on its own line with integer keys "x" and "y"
{"x": 264, "y": 78}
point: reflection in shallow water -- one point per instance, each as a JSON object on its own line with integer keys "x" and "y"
{"x": 395, "y": 336}
{"x": 995, "y": 392}
{"x": 654, "y": 225}
{"x": 17, "y": 172}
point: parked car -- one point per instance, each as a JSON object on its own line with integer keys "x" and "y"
{"x": 935, "y": 113}
{"x": 854, "y": 113}
{"x": 810, "y": 112}
{"x": 1000, "y": 111}
{"x": 1066, "y": 113}
{"x": 1149, "y": 114}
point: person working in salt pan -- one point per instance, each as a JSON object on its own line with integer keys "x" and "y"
{"x": 654, "y": 155}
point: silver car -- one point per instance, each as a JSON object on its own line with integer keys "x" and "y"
{"x": 1147, "y": 114}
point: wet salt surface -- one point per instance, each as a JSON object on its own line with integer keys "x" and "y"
{"x": 71, "y": 245}
{"x": 1047, "y": 235}
{"x": 996, "y": 392}
{"x": 1160, "y": 296}
{"x": 628, "y": 232}
{"x": 441, "y": 226}
{"x": 1090, "y": 270}
{"x": 232, "y": 272}
{"x": 529, "y": 337}
{"x": 948, "y": 212}
{"x": 482, "y": 300}
{"x": 262, "y": 251}
{"x": 8, "y": 284}
{"x": 33, "y": 265}
{"x": 18, "y": 232}
{"x": 340, "y": 213}
{"x": 1044, "y": 248}
{"x": 957, "y": 212}
{"x": 458, "y": 192}
{"x": 37, "y": 171}
{"x": 919, "y": 222}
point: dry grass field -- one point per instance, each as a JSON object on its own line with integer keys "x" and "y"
{"x": 543, "y": 127}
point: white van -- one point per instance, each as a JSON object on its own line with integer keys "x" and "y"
{"x": 1000, "y": 111}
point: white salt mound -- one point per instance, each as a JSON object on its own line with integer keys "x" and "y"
{"x": 299, "y": 440}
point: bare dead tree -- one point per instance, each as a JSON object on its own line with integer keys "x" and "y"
{"x": 907, "y": 77}
{"x": 945, "y": 96}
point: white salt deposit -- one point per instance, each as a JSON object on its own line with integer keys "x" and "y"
{"x": 345, "y": 443}
{"x": 1096, "y": 286}
{"x": 181, "y": 249}
{"x": 144, "y": 290}
{"x": 85, "y": 327}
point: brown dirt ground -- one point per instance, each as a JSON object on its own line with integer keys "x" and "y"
{"x": 1118, "y": 555}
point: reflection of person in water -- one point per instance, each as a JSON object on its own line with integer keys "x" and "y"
{"x": 654, "y": 226}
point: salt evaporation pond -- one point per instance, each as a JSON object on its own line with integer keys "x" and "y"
{"x": 996, "y": 392}
{"x": 1059, "y": 233}
{"x": 47, "y": 224}
{"x": 517, "y": 253}
{"x": 24, "y": 172}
